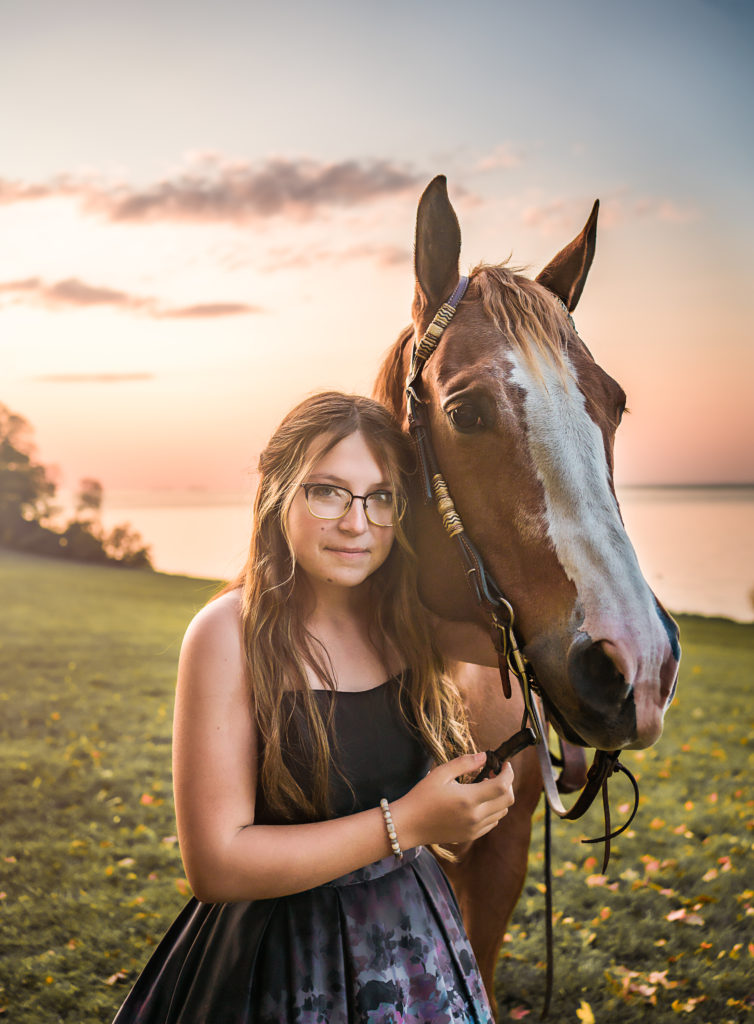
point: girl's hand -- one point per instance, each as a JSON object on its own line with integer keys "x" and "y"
{"x": 440, "y": 809}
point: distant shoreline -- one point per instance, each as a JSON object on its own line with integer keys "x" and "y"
{"x": 686, "y": 487}
{"x": 207, "y": 496}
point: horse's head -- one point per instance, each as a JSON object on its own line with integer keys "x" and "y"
{"x": 523, "y": 422}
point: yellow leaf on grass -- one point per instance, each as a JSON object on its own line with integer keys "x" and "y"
{"x": 584, "y": 1013}
{"x": 686, "y": 1005}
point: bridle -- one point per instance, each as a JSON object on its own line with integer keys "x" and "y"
{"x": 511, "y": 658}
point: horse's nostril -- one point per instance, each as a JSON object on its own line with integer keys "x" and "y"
{"x": 614, "y": 655}
{"x": 599, "y": 674}
{"x": 600, "y": 662}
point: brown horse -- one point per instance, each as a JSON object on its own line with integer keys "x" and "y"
{"x": 523, "y": 420}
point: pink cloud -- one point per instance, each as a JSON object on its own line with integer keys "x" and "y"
{"x": 92, "y": 378}
{"x": 73, "y": 293}
{"x": 212, "y": 190}
{"x": 211, "y": 309}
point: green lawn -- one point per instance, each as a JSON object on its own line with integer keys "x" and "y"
{"x": 90, "y": 874}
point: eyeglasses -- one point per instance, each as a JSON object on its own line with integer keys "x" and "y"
{"x": 325, "y": 501}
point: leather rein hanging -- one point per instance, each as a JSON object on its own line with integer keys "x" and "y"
{"x": 511, "y": 658}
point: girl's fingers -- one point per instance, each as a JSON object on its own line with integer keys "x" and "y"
{"x": 496, "y": 785}
{"x": 462, "y": 765}
{"x": 489, "y": 823}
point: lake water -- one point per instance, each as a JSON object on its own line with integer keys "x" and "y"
{"x": 695, "y": 544}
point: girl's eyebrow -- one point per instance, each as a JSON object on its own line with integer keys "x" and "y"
{"x": 383, "y": 484}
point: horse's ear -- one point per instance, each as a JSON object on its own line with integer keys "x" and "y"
{"x": 438, "y": 244}
{"x": 566, "y": 273}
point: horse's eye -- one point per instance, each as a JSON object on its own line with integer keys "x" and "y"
{"x": 465, "y": 418}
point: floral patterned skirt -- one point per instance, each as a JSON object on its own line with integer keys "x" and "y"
{"x": 382, "y": 945}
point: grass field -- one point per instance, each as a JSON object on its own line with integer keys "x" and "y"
{"x": 90, "y": 875}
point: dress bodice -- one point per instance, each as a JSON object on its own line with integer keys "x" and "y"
{"x": 376, "y": 752}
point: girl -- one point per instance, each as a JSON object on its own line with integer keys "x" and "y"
{"x": 310, "y": 710}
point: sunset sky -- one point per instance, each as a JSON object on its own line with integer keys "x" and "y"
{"x": 207, "y": 211}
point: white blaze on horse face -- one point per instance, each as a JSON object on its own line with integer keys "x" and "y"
{"x": 584, "y": 525}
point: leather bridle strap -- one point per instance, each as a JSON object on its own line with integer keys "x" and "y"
{"x": 486, "y": 591}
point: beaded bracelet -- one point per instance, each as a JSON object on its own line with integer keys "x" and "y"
{"x": 391, "y": 833}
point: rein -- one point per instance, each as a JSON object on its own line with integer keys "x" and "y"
{"x": 511, "y": 659}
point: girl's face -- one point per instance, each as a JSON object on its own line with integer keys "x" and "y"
{"x": 341, "y": 552}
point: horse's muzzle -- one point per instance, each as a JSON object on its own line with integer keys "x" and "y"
{"x": 620, "y": 698}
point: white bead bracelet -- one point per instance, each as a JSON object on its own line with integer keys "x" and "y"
{"x": 391, "y": 833}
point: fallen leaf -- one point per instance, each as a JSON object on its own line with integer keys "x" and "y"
{"x": 584, "y": 1013}
{"x": 661, "y": 978}
{"x": 681, "y": 1006}
{"x": 118, "y": 976}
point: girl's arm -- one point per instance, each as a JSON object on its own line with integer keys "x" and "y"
{"x": 226, "y": 856}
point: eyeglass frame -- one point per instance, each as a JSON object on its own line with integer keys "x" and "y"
{"x": 399, "y": 506}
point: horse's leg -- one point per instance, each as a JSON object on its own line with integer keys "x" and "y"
{"x": 490, "y": 876}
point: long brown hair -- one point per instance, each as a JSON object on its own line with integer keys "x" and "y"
{"x": 277, "y": 642}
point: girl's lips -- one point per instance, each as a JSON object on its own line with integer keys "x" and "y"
{"x": 349, "y": 551}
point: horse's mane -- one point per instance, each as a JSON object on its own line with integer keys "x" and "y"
{"x": 391, "y": 379}
{"x": 529, "y": 315}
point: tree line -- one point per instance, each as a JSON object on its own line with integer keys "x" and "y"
{"x": 29, "y": 515}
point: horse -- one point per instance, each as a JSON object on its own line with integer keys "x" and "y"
{"x": 522, "y": 420}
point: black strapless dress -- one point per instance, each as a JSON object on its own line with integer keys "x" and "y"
{"x": 381, "y": 945}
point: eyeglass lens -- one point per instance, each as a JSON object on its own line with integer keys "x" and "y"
{"x": 328, "y": 502}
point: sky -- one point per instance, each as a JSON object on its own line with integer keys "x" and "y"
{"x": 207, "y": 212}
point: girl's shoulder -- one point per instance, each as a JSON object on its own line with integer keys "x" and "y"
{"x": 221, "y": 612}
{"x": 215, "y": 634}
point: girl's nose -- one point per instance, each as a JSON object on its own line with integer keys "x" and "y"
{"x": 355, "y": 520}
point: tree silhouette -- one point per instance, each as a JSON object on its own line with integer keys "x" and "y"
{"x": 89, "y": 498}
{"x": 26, "y": 494}
{"x": 26, "y": 489}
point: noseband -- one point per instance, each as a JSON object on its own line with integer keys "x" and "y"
{"x": 511, "y": 658}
